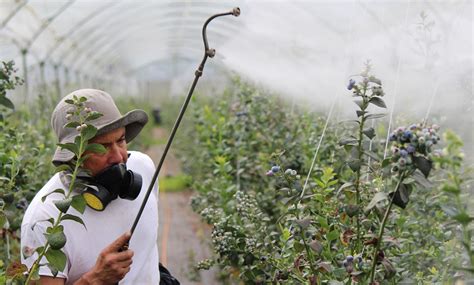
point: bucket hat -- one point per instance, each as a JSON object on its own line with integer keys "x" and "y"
{"x": 102, "y": 102}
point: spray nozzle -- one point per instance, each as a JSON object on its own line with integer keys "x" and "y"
{"x": 211, "y": 52}
{"x": 236, "y": 11}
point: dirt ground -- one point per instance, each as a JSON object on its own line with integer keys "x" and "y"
{"x": 183, "y": 239}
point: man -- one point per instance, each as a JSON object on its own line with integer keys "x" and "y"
{"x": 94, "y": 252}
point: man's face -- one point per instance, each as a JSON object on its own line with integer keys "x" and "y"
{"x": 116, "y": 146}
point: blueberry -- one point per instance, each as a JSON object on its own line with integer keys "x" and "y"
{"x": 403, "y": 153}
{"x": 351, "y": 84}
{"x": 410, "y": 149}
{"x": 350, "y": 258}
{"x": 275, "y": 169}
{"x": 402, "y": 161}
{"x": 269, "y": 173}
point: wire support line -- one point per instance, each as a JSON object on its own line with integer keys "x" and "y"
{"x": 430, "y": 106}
{"x": 331, "y": 109}
{"x": 318, "y": 147}
{"x": 397, "y": 78}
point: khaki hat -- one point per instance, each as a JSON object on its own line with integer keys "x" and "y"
{"x": 101, "y": 102}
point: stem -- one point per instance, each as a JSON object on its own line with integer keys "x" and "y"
{"x": 359, "y": 158}
{"x": 382, "y": 227}
{"x": 310, "y": 256}
{"x": 58, "y": 220}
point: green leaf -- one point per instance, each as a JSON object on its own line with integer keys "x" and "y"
{"x": 375, "y": 80}
{"x": 389, "y": 269}
{"x": 3, "y": 219}
{"x": 53, "y": 269}
{"x": 323, "y": 222}
{"x": 69, "y": 101}
{"x": 375, "y": 116}
{"x": 285, "y": 235}
{"x": 79, "y": 203}
{"x": 303, "y": 223}
{"x": 298, "y": 246}
{"x": 355, "y": 164}
{"x": 62, "y": 167}
{"x": 423, "y": 164}
{"x": 316, "y": 246}
{"x": 325, "y": 267}
{"x": 72, "y": 125}
{"x": 56, "y": 240}
{"x": 386, "y": 162}
{"x": 56, "y": 258}
{"x": 421, "y": 180}
{"x": 82, "y": 99}
{"x": 93, "y": 116}
{"x": 372, "y": 155}
{"x": 63, "y": 205}
{"x": 351, "y": 210}
{"x": 69, "y": 146}
{"x": 73, "y": 218}
{"x": 360, "y": 113}
{"x": 377, "y": 101}
{"x": 451, "y": 189}
{"x": 344, "y": 186}
{"x": 333, "y": 235}
{"x": 463, "y": 218}
{"x": 359, "y": 103}
{"x": 89, "y": 132}
{"x": 369, "y": 132}
{"x": 96, "y": 148}
{"x": 378, "y": 197}
{"x": 402, "y": 195}
{"x": 58, "y": 190}
{"x": 6, "y": 102}
{"x": 350, "y": 141}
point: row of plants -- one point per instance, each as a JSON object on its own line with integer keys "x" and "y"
{"x": 26, "y": 146}
{"x": 356, "y": 212}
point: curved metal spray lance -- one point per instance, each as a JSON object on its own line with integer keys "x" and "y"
{"x": 207, "y": 53}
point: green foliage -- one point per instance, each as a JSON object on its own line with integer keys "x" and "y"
{"x": 25, "y": 155}
{"x": 175, "y": 183}
{"x": 78, "y": 118}
{"x": 8, "y": 81}
{"x": 249, "y": 157}
{"x": 456, "y": 180}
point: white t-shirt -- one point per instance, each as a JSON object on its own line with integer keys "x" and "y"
{"x": 84, "y": 244}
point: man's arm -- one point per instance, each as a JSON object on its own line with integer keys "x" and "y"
{"x": 111, "y": 266}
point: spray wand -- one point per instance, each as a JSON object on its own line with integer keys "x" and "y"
{"x": 208, "y": 52}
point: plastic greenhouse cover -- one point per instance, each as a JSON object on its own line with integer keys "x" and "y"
{"x": 422, "y": 50}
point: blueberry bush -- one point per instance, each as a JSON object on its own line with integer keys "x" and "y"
{"x": 367, "y": 211}
{"x": 26, "y": 145}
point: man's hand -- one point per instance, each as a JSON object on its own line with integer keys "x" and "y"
{"x": 112, "y": 264}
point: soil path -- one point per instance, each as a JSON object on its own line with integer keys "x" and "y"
{"x": 182, "y": 238}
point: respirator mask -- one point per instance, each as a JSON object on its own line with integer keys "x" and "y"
{"x": 115, "y": 181}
